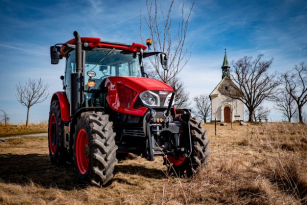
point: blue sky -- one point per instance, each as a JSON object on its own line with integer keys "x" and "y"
{"x": 277, "y": 29}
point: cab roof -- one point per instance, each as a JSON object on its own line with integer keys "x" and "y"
{"x": 95, "y": 42}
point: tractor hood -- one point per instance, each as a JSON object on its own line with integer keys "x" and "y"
{"x": 123, "y": 94}
{"x": 139, "y": 84}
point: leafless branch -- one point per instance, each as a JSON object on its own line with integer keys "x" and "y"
{"x": 261, "y": 113}
{"x": 182, "y": 96}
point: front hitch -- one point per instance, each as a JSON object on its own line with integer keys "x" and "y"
{"x": 171, "y": 137}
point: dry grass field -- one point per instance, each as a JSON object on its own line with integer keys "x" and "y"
{"x": 256, "y": 164}
{"x": 21, "y": 129}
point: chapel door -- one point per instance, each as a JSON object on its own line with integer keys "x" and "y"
{"x": 226, "y": 114}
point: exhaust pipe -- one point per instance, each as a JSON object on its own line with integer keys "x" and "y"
{"x": 76, "y": 78}
{"x": 78, "y": 52}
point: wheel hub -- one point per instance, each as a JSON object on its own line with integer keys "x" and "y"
{"x": 82, "y": 151}
{"x": 52, "y": 135}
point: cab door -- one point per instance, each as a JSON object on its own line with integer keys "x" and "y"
{"x": 69, "y": 68}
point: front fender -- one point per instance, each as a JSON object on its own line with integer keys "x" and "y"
{"x": 64, "y": 105}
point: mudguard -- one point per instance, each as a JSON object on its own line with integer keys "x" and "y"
{"x": 64, "y": 105}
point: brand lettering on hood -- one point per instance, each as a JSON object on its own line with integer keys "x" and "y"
{"x": 163, "y": 93}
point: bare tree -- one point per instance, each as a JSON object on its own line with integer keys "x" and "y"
{"x": 203, "y": 107}
{"x": 254, "y": 82}
{"x": 170, "y": 40}
{"x": 5, "y": 117}
{"x": 296, "y": 85}
{"x": 182, "y": 96}
{"x": 285, "y": 104}
{"x": 261, "y": 113}
{"x": 33, "y": 92}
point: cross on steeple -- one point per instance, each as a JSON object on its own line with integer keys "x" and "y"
{"x": 225, "y": 66}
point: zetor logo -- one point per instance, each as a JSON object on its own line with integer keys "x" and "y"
{"x": 162, "y": 93}
{"x": 112, "y": 86}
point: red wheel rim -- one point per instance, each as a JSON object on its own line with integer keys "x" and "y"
{"x": 81, "y": 145}
{"x": 51, "y": 134}
{"x": 176, "y": 160}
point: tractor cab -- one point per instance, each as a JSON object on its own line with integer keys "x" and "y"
{"x": 99, "y": 64}
{"x": 100, "y": 60}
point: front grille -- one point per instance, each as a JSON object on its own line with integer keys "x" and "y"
{"x": 133, "y": 132}
{"x": 125, "y": 95}
{"x": 163, "y": 97}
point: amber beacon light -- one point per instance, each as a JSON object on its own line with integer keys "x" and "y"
{"x": 148, "y": 42}
{"x": 91, "y": 84}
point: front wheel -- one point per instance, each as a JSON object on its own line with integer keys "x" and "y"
{"x": 188, "y": 166}
{"x": 57, "y": 151}
{"x": 94, "y": 148}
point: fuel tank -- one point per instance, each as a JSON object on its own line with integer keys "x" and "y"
{"x": 123, "y": 93}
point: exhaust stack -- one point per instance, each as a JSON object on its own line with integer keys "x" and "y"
{"x": 76, "y": 78}
{"x": 78, "y": 52}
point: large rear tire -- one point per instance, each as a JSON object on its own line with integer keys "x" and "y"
{"x": 94, "y": 148}
{"x": 57, "y": 152}
{"x": 181, "y": 166}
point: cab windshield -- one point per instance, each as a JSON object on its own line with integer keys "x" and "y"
{"x": 107, "y": 62}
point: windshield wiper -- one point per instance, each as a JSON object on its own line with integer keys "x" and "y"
{"x": 104, "y": 58}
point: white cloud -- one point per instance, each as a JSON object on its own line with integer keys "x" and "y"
{"x": 31, "y": 51}
{"x": 96, "y": 7}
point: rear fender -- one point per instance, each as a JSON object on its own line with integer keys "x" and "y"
{"x": 64, "y": 105}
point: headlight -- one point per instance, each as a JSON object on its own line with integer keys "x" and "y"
{"x": 150, "y": 98}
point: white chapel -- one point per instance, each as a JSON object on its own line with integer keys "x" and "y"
{"x": 223, "y": 107}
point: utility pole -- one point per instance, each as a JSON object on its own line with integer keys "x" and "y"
{"x": 231, "y": 116}
{"x": 215, "y": 125}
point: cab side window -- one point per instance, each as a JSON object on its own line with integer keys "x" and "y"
{"x": 70, "y": 68}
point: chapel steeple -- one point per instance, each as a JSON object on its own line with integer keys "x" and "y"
{"x": 225, "y": 67}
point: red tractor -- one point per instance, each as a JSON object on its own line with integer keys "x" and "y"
{"x": 109, "y": 107}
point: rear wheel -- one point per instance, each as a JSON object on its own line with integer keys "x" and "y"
{"x": 94, "y": 148}
{"x": 57, "y": 152}
{"x": 183, "y": 166}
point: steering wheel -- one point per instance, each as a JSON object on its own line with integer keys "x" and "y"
{"x": 105, "y": 76}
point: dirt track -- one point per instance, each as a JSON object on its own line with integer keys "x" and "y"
{"x": 22, "y": 136}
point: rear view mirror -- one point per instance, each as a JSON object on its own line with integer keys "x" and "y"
{"x": 55, "y": 54}
{"x": 163, "y": 59}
